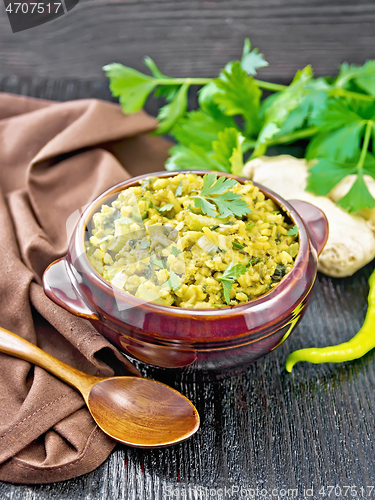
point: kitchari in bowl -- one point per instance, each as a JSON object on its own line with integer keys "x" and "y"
{"x": 209, "y": 250}
{"x": 192, "y": 241}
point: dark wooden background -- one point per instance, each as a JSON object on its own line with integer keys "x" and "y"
{"x": 192, "y": 38}
{"x": 262, "y": 428}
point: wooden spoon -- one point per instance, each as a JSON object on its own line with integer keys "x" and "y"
{"x": 133, "y": 410}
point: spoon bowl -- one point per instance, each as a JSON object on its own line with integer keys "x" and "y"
{"x": 135, "y": 411}
{"x": 126, "y": 406}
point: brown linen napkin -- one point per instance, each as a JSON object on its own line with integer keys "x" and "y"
{"x": 54, "y": 159}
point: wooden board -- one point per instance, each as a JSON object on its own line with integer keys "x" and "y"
{"x": 192, "y": 38}
{"x": 263, "y": 428}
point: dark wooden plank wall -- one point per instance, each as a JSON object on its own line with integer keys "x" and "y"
{"x": 192, "y": 38}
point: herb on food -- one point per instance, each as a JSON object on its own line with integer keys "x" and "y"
{"x": 159, "y": 263}
{"x": 237, "y": 245}
{"x": 336, "y": 115}
{"x": 216, "y": 193}
{"x": 165, "y": 208}
{"x": 175, "y": 251}
{"x": 145, "y": 244}
{"x": 231, "y": 273}
{"x": 293, "y": 231}
{"x": 173, "y": 281}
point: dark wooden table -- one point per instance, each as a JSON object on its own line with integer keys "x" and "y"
{"x": 263, "y": 428}
{"x": 264, "y": 432}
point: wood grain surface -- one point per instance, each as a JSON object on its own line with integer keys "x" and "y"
{"x": 262, "y": 428}
{"x": 192, "y": 38}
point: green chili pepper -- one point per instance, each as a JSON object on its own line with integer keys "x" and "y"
{"x": 355, "y": 348}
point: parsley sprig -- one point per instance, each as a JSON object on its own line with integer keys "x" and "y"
{"x": 217, "y": 195}
{"x": 229, "y": 276}
{"x": 293, "y": 231}
{"x": 336, "y": 115}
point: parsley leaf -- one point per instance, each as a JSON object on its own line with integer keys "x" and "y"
{"x": 338, "y": 145}
{"x": 227, "y": 150}
{"x": 200, "y": 128}
{"x": 239, "y": 95}
{"x": 214, "y": 185}
{"x": 130, "y": 86}
{"x": 207, "y": 103}
{"x": 170, "y": 113}
{"x": 358, "y": 197}
{"x": 336, "y": 115}
{"x": 159, "y": 263}
{"x": 231, "y": 273}
{"x": 312, "y": 101}
{"x": 340, "y": 131}
{"x": 217, "y": 191}
{"x": 325, "y": 174}
{"x": 363, "y": 76}
{"x": 293, "y": 231}
{"x": 173, "y": 282}
{"x": 175, "y": 251}
{"x": 190, "y": 158}
{"x": 166, "y": 207}
{"x": 251, "y": 60}
{"x": 276, "y": 108}
{"x": 145, "y": 244}
{"x": 226, "y": 154}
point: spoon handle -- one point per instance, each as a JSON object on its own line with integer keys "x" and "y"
{"x": 12, "y": 344}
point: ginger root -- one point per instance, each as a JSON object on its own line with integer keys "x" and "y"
{"x": 351, "y": 240}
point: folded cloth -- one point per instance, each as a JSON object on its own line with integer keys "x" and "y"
{"x": 54, "y": 159}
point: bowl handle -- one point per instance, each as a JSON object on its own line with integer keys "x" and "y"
{"x": 60, "y": 287}
{"x": 315, "y": 221}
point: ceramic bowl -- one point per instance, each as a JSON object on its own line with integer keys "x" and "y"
{"x": 173, "y": 337}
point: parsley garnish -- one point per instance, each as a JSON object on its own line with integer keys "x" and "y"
{"x": 293, "y": 231}
{"x": 175, "y": 251}
{"x": 173, "y": 281}
{"x": 145, "y": 244}
{"x": 217, "y": 191}
{"x": 237, "y": 245}
{"x": 231, "y": 273}
{"x": 335, "y": 114}
{"x": 165, "y": 208}
{"x": 250, "y": 226}
{"x": 159, "y": 263}
{"x": 179, "y": 190}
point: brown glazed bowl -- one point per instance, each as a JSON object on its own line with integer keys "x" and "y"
{"x": 173, "y": 337}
